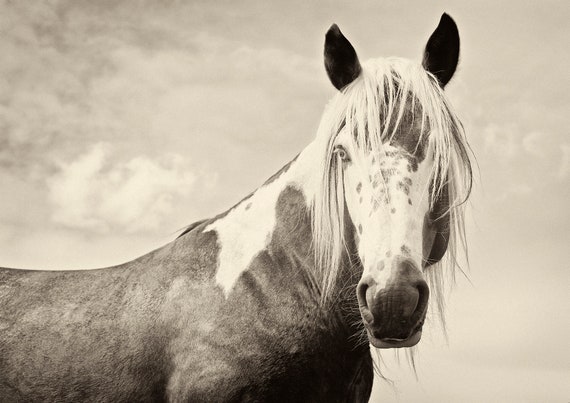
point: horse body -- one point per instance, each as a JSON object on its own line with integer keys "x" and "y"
{"x": 72, "y": 336}
{"x": 162, "y": 327}
{"x": 278, "y": 298}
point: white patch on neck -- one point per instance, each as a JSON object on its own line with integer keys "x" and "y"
{"x": 248, "y": 228}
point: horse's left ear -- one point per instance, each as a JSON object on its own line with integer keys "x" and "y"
{"x": 442, "y": 50}
{"x": 341, "y": 62}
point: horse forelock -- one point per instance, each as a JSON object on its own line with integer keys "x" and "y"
{"x": 393, "y": 101}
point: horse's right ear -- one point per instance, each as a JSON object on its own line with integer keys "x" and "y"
{"x": 341, "y": 62}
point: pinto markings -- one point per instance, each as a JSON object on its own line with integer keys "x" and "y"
{"x": 247, "y": 228}
{"x": 237, "y": 249}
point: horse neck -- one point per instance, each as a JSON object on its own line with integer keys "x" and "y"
{"x": 275, "y": 218}
{"x": 266, "y": 254}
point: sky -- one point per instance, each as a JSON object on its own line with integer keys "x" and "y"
{"x": 122, "y": 122}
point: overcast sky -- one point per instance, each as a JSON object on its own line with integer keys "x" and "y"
{"x": 121, "y": 122}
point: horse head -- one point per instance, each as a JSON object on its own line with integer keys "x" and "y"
{"x": 395, "y": 159}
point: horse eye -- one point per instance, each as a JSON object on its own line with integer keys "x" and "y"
{"x": 341, "y": 153}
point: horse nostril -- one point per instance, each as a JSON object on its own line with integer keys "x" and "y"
{"x": 362, "y": 290}
{"x": 412, "y": 288}
{"x": 361, "y": 294}
{"x": 423, "y": 296}
{"x": 410, "y": 302}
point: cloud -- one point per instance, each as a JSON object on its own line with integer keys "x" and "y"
{"x": 516, "y": 161}
{"x": 509, "y": 142}
{"x": 501, "y": 141}
{"x": 532, "y": 143}
{"x": 145, "y": 80}
{"x": 81, "y": 72}
{"x": 93, "y": 193}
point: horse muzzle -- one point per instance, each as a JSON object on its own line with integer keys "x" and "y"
{"x": 394, "y": 314}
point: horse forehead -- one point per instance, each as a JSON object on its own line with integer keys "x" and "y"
{"x": 411, "y": 136}
{"x": 407, "y": 139}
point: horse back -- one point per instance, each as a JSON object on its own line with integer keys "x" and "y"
{"x": 69, "y": 336}
{"x": 99, "y": 334}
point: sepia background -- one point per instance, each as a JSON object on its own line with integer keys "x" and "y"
{"x": 122, "y": 122}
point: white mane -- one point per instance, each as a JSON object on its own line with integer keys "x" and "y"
{"x": 372, "y": 107}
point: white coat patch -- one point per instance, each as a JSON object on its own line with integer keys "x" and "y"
{"x": 248, "y": 228}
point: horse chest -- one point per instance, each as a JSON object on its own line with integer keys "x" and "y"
{"x": 251, "y": 378}
{"x": 269, "y": 349}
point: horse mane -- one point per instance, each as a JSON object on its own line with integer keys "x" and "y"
{"x": 372, "y": 107}
{"x": 192, "y": 226}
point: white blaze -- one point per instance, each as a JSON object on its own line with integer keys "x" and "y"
{"x": 393, "y": 226}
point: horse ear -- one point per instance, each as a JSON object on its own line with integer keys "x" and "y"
{"x": 341, "y": 62}
{"x": 442, "y": 50}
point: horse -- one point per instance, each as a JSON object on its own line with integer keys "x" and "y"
{"x": 280, "y": 297}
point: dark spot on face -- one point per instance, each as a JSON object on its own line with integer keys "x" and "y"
{"x": 389, "y": 172}
{"x": 248, "y": 206}
{"x": 393, "y": 211}
{"x": 376, "y": 205}
{"x": 360, "y": 228}
{"x": 404, "y": 188}
{"x": 412, "y": 164}
{"x": 381, "y": 266}
{"x": 415, "y": 164}
{"x": 410, "y": 202}
{"x": 373, "y": 159}
{"x": 405, "y": 250}
{"x": 359, "y": 187}
{"x": 360, "y": 200}
{"x": 388, "y": 254}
